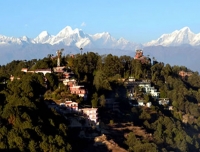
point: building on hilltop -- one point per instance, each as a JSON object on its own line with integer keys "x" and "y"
{"x": 145, "y": 85}
{"x": 59, "y": 69}
{"x": 163, "y": 101}
{"x": 70, "y": 106}
{"x": 44, "y": 71}
{"x": 69, "y": 82}
{"x": 79, "y": 90}
{"x": 184, "y": 74}
{"x": 139, "y": 56}
{"x": 24, "y": 70}
{"x": 149, "y": 89}
{"x": 68, "y": 75}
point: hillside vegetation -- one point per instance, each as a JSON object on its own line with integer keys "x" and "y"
{"x": 27, "y": 124}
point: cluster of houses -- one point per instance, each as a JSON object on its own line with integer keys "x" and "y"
{"x": 90, "y": 115}
{"x": 67, "y": 77}
{"x": 69, "y": 108}
{"x": 146, "y": 88}
{"x": 144, "y": 85}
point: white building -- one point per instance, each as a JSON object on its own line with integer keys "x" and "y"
{"x": 148, "y": 89}
{"x": 163, "y": 101}
{"x": 141, "y": 103}
{"x": 69, "y": 82}
{"x": 148, "y": 104}
{"x": 44, "y": 71}
{"x": 91, "y": 113}
{"x": 70, "y": 106}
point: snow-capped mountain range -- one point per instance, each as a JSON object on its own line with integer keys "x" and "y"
{"x": 173, "y": 48}
{"x": 76, "y": 38}
{"x": 176, "y": 38}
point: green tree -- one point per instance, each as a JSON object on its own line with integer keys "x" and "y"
{"x": 147, "y": 97}
{"x": 52, "y": 80}
{"x": 94, "y": 100}
{"x": 101, "y": 81}
{"x": 102, "y": 100}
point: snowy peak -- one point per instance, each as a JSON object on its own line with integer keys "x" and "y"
{"x": 78, "y": 38}
{"x": 69, "y": 32}
{"x": 104, "y": 36}
{"x": 178, "y": 37}
{"x": 185, "y": 29}
{"x": 4, "y": 40}
{"x": 43, "y": 34}
{"x": 65, "y": 32}
{"x": 185, "y": 36}
{"x": 42, "y": 37}
{"x": 67, "y": 36}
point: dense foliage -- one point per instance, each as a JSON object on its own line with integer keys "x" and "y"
{"x": 27, "y": 124}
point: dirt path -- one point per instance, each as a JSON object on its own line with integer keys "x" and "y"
{"x": 117, "y": 134}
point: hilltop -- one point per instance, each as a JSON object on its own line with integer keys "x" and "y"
{"x": 98, "y": 103}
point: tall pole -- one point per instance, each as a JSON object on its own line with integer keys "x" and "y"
{"x": 59, "y": 53}
{"x": 58, "y": 58}
{"x": 81, "y": 50}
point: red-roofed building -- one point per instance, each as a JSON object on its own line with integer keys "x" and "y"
{"x": 69, "y": 107}
{"x": 79, "y": 90}
{"x": 59, "y": 69}
{"x": 184, "y": 74}
{"x": 68, "y": 75}
{"x": 69, "y": 82}
{"x": 72, "y": 105}
{"x": 139, "y": 56}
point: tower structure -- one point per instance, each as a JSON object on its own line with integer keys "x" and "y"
{"x": 143, "y": 59}
{"x": 138, "y": 54}
{"x": 59, "y": 54}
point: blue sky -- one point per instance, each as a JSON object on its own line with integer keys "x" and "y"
{"x": 137, "y": 21}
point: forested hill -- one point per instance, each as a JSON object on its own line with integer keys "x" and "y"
{"x": 27, "y": 124}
